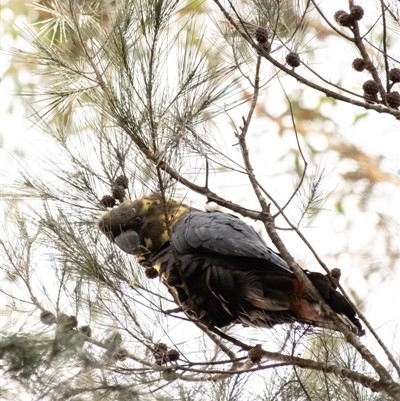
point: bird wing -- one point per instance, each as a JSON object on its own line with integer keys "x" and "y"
{"x": 224, "y": 234}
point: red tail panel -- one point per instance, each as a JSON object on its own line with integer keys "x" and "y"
{"x": 299, "y": 305}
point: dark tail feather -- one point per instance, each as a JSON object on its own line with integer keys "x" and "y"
{"x": 308, "y": 311}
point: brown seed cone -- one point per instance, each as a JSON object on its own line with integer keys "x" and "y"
{"x": 121, "y": 354}
{"x": 358, "y": 64}
{"x": 70, "y": 323}
{"x": 118, "y": 192}
{"x": 86, "y": 330}
{"x": 255, "y": 354}
{"x": 122, "y": 181}
{"x": 47, "y": 317}
{"x": 338, "y": 14}
{"x": 293, "y": 59}
{"x": 108, "y": 201}
{"x": 334, "y": 277}
{"x": 151, "y": 272}
{"x": 173, "y": 355}
{"x": 336, "y": 274}
{"x": 160, "y": 350}
{"x": 356, "y": 12}
{"x": 370, "y": 87}
{"x": 261, "y": 35}
{"x": 393, "y": 100}
{"x": 343, "y": 18}
{"x": 160, "y": 353}
{"x": 394, "y": 75}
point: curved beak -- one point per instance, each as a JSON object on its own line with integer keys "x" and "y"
{"x": 129, "y": 242}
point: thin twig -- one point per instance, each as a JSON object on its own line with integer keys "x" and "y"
{"x": 300, "y": 151}
{"x": 301, "y": 79}
{"x": 301, "y": 384}
{"x": 218, "y": 342}
{"x": 358, "y": 41}
{"x": 384, "y": 40}
{"x": 242, "y": 139}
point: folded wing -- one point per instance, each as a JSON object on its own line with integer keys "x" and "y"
{"x": 223, "y": 234}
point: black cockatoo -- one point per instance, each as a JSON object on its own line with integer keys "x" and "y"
{"x": 218, "y": 268}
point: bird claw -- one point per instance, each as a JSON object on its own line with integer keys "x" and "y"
{"x": 142, "y": 256}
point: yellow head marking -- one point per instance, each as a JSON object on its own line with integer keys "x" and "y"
{"x": 149, "y": 242}
{"x": 164, "y": 236}
{"x": 146, "y": 204}
{"x": 178, "y": 212}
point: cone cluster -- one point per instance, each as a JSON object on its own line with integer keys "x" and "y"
{"x": 371, "y": 88}
{"x": 118, "y": 192}
{"x": 67, "y": 323}
{"x": 343, "y": 18}
{"x": 163, "y": 355}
